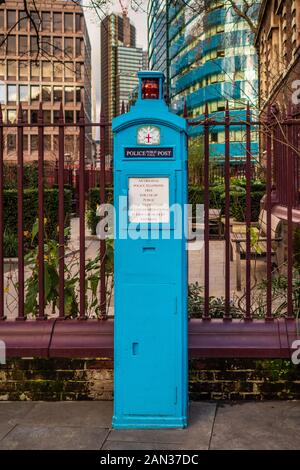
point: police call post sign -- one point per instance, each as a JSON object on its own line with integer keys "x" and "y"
{"x": 153, "y": 152}
{"x": 149, "y": 200}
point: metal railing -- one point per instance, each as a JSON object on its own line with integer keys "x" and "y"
{"x": 266, "y": 336}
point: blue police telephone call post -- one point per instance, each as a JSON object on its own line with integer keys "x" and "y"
{"x": 150, "y": 290}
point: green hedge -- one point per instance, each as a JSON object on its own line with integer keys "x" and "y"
{"x": 30, "y": 214}
{"x": 237, "y": 198}
{"x": 30, "y": 175}
{"x": 93, "y": 202}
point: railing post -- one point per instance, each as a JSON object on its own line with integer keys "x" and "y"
{"x": 2, "y": 317}
{"x": 269, "y": 316}
{"x": 41, "y": 281}
{"x": 290, "y": 179}
{"x": 227, "y": 315}
{"x": 248, "y": 213}
{"x": 206, "y": 314}
{"x": 82, "y": 315}
{"x": 102, "y": 201}
{"x": 61, "y": 213}
{"x": 20, "y": 179}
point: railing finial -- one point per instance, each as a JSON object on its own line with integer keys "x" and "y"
{"x": 40, "y": 113}
{"x": 81, "y": 114}
{"x": 61, "y": 114}
{"x": 185, "y": 110}
{"x": 20, "y": 114}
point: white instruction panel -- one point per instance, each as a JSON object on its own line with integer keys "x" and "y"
{"x": 149, "y": 200}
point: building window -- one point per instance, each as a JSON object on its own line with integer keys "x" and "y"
{"x": 79, "y": 47}
{"x": 79, "y": 71}
{"x": 47, "y": 142}
{"x": 25, "y": 142}
{"x": 34, "y": 143}
{"x": 69, "y": 71}
{"x": 23, "y": 45}
{"x": 78, "y": 22}
{"x": 11, "y": 18}
{"x": 33, "y": 44}
{"x": 46, "y": 44}
{"x": 23, "y": 94}
{"x": 68, "y": 22}
{"x": 2, "y": 20}
{"x": 11, "y": 94}
{"x": 3, "y": 45}
{"x": 47, "y": 116}
{"x": 46, "y": 70}
{"x": 57, "y": 22}
{"x": 46, "y": 93}
{"x": 57, "y": 94}
{"x": 2, "y": 94}
{"x": 69, "y": 117}
{"x": 69, "y": 47}
{"x": 11, "y": 142}
{"x": 35, "y": 93}
{"x": 56, "y": 116}
{"x": 23, "y": 70}
{"x": 57, "y": 47}
{"x": 69, "y": 94}
{"x": 36, "y": 20}
{"x": 23, "y": 21}
{"x": 2, "y": 70}
{"x": 78, "y": 94}
{"x": 34, "y": 116}
{"x": 46, "y": 21}
{"x": 35, "y": 71}
{"x": 57, "y": 72}
{"x": 11, "y": 45}
{"x": 11, "y": 116}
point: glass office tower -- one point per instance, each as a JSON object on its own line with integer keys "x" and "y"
{"x": 210, "y": 58}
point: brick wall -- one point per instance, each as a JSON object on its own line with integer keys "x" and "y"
{"x": 92, "y": 379}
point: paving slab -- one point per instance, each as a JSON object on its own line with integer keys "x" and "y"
{"x": 26, "y": 437}
{"x": 196, "y": 436}
{"x": 13, "y": 411}
{"x": 82, "y": 413}
{"x": 257, "y": 426}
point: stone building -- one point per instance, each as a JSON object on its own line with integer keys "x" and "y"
{"x": 51, "y": 66}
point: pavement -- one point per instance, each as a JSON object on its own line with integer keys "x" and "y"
{"x": 212, "y": 425}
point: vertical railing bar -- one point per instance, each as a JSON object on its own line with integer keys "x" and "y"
{"x": 290, "y": 255}
{"x": 2, "y": 316}
{"x": 82, "y": 186}
{"x": 270, "y": 157}
{"x": 20, "y": 180}
{"x": 227, "y": 213}
{"x": 248, "y": 213}
{"x": 102, "y": 202}
{"x": 41, "y": 225}
{"x": 61, "y": 213}
{"x": 206, "y": 314}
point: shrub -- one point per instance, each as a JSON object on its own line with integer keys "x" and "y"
{"x": 237, "y": 198}
{"x": 93, "y": 202}
{"x": 30, "y": 213}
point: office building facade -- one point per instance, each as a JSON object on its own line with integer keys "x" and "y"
{"x": 210, "y": 60}
{"x": 117, "y": 33}
{"x": 52, "y": 67}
